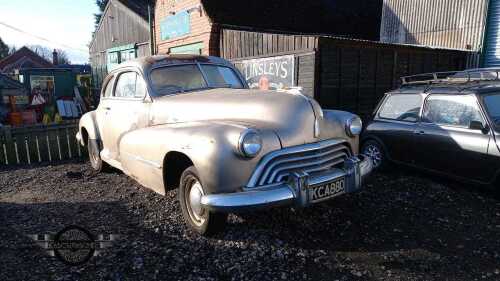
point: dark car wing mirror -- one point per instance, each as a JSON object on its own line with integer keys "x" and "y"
{"x": 478, "y": 125}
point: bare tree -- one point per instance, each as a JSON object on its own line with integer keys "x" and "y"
{"x": 46, "y": 53}
{"x": 4, "y": 49}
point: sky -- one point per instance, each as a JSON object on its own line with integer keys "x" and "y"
{"x": 67, "y": 24}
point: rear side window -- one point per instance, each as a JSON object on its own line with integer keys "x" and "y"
{"x": 401, "y": 107}
{"x": 125, "y": 87}
{"x": 130, "y": 85}
{"x": 451, "y": 110}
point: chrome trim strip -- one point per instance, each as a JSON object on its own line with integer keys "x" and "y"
{"x": 291, "y": 158}
{"x": 323, "y": 167}
{"x": 255, "y": 199}
{"x": 253, "y": 182}
{"x": 145, "y": 161}
{"x": 320, "y": 161}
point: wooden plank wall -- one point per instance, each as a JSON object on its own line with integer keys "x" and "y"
{"x": 354, "y": 75}
{"x": 241, "y": 44}
{"x": 305, "y": 72}
{"x": 237, "y": 45}
{"x": 39, "y": 144}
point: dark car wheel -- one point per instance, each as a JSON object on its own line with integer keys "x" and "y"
{"x": 197, "y": 218}
{"x": 95, "y": 159}
{"x": 376, "y": 152}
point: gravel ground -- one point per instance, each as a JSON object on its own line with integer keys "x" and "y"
{"x": 403, "y": 226}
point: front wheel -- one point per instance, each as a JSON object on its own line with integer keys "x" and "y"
{"x": 374, "y": 150}
{"x": 198, "y": 218}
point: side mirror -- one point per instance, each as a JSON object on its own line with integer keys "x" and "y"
{"x": 478, "y": 125}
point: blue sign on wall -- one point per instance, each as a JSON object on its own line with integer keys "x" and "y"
{"x": 175, "y": 26}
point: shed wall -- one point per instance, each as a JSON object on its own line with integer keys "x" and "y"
{"x": 120, "y": 26}
{"x": 492, "y": 42}
{"x": 354, "y": 75}
{"x": 457, "y": 24}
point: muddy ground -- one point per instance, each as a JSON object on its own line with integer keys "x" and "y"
{"x": 403, "y": 226}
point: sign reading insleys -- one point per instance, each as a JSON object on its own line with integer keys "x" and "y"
{"x": 271, "y": 73}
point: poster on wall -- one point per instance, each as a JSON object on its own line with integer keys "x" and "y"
{"x": 175, "y": 25}
{"x": 272, "y": 73}
{"x": 42, "y": 89}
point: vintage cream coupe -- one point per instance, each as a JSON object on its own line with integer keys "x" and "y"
{"x": 190, "y": 122}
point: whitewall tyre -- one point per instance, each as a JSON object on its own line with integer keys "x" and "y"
{"x": 197, "y": 217}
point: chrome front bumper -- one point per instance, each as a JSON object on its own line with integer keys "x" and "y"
{"x": 295, "y": 192}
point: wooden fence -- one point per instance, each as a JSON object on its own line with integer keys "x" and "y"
{"x": 39, "y": 144}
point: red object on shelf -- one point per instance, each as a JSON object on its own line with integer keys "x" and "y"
{"x": 15, "y": 119}
{"x": 29, "y": 117}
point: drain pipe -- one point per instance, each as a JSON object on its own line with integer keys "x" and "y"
{"x": 151, "y": 29}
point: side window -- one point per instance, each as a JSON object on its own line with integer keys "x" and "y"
{"x": 108, "y": 92}
{"x": 451, "y": 110}
{"x": 401, "y": 107}
{"x": 125, "y": 87}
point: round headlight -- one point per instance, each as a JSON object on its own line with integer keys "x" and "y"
{"x": 250, "y": 143}
{"x": 354, "y": 126}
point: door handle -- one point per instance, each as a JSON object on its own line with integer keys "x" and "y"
{"x": 419, "y": 132}
{"x": 107, "y": 108}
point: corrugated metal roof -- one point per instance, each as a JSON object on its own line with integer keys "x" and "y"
{"x": 456, "y": 24}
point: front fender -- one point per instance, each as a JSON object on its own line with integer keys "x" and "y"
{"x": 89, "y": 123}
{"x": 211, "y": 146}
{"x": 334, "y": 126}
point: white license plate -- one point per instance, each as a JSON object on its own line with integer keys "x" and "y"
{"x": 327, "y": 190}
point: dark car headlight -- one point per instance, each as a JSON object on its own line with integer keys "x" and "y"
{"x": 250, "y": 143}
{"x": 354, "y": 126}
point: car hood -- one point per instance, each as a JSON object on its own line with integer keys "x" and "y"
{"x": 290, "y": 116}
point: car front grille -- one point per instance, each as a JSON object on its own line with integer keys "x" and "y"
{"x": 276, "y": 166}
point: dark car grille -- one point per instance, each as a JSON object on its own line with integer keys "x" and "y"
{"x": 311, "y": 158}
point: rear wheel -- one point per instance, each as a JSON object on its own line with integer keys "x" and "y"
{"x": 95, "y": 159}
{"x": 374, "y": 150}
{"x": 197, "y": 217}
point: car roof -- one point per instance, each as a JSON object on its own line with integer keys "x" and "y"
{"x": 475, "y": 81}
{"x": 147, "y": 63}
{"x": 471, "y": 87}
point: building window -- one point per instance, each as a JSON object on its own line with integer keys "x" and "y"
{"x": 194, "y": 49}
{"x": 114, "y": 58}
{"x": 120, "y": 54}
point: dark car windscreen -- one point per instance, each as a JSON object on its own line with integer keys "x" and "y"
{"x": 492, "y": 103}
{"x": 401, "y": 107}
{"x": 183, "y": 78}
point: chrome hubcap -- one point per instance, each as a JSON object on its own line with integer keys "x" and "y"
{"x": 195, "y": 209}
{"x": 375, "y": 154}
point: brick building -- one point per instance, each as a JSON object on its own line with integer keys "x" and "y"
{"x": 197, "y": 36}
{"x": 194, "y": 26}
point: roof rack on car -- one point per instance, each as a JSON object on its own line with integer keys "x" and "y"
{"x": 464, "y": 76}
